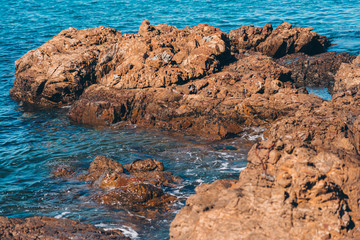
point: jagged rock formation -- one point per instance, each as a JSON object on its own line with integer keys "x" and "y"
{"x": 138, "y": 188}
{"x": 301, "y": 183}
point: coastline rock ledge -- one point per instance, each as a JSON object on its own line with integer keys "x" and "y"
{"x": 302, "y": 182}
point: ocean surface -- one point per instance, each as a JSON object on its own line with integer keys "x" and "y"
{"x": 34, "y": 142}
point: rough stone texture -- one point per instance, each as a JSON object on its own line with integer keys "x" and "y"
{"x": 57, "y": 72}
{"x": 141, "y": 188}
{"x": 63, "y": 172}
{"x": 252, "y": 91}
{"x": 301, "y": 183}
{"x": 348, "y": 77}
{"x": 47, "y": 228}
{"x": 280, "y": 41}
{"x": 144, "y": 165}
{"x": 315, "y": 71}
{"x": 102, "y": 164}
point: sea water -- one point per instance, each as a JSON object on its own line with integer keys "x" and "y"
{"x": 34, "y": 142}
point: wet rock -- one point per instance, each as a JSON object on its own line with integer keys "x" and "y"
{"x": 52, "y": 228}
{"x": 280, "y": 41}
{"x": 140, "y": 188}
{"x": 136, "y": 195}
{"x": 315, "y": 71}
{"x": 101, "y": 165}
{"x": 63, "y": 172}
{"x": 145, "y": 165}
{"x": 347, "y": 79}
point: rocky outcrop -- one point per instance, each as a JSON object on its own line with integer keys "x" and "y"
{"x": 52, "y": 228}
{"x": 140, "y": 187}
{"x": 315, "y": 71}
{"x": 304, "y": 178}
{"x": 300, "y": 183}
{"x": 59, "y": 71}
{"x": 249, "y": 92}
{"x": 280, "y": 41}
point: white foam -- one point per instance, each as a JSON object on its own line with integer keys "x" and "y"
{"x": 61, "y": 215}
{"x": 199, "y": 181}
{"x": 128, "y": 231}
{"x": 239, "y": 169}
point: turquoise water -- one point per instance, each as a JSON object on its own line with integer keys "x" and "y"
{"x": 34, "y": 142}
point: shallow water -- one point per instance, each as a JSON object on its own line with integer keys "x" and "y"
{"x": 33, "y": 143}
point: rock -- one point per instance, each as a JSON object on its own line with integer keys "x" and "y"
{"x": 136, "y": 195}
{"x": 218, "y": 106}
{"x": 101, "y": 165}
{"x": 276, "y": 43}
{"x": 197, "y": 81}
{"x": 57, "y": 73}
{"x": 144, "y": 165}
{"x": 304, "y": 178}
{"x": 52, "y": 228}
{"x": 347, "y": 79}
{"x": 141, "y": 188}
{"x": 63, "y": 171}
{"x": 315, "y": 71}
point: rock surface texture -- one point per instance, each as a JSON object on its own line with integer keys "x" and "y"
{"x": 300, "y": 183}
{"x": 139, "y": 187}
{"x": 197, "y": 80}
{"x": 47, "y": 228}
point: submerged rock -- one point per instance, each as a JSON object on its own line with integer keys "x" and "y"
{"x": 52, "y": 228}
{"x": 63, "y": 171}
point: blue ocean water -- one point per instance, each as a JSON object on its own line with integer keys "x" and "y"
{"x": 34, "y": 142}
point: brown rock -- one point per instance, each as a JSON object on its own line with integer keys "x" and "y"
{"x": 141, "y": 188}
{"x": 136, "y": 195}
{"x": 144, "y": 165}
{"x": 304, "y": 178}
{"x": 57, "y": 72}
{"x": 101, "y": 165}
{"x": 278, "y": 42}
{"x": 52, "y": 228}
{"x": 217, "y": 106}
{"x": 63, "y": 171}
